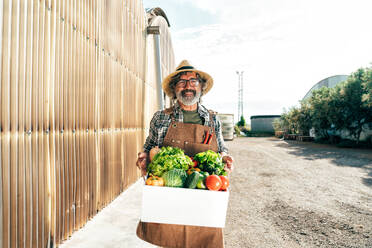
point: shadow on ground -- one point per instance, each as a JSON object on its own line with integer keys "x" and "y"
{"x": 361, "y": 158}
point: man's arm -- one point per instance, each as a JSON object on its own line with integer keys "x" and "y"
{"x": 222, "y": 149}
{"x": 152, "y": 139}
{"x": 220, "y": 142}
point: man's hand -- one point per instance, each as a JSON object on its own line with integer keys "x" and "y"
{"x": 228, "y": 160}
{"x": 142, "y": 161}
{"x": 155, "y": 150}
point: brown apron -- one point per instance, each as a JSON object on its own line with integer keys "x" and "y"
{"x": 189, "y": 137}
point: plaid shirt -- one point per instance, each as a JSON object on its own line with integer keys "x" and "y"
{"x": 160, "y": 123}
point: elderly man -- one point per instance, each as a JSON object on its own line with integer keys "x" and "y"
{"x": 191, "y": 127}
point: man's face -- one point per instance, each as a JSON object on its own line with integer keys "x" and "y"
{"x": 188, "y": 89}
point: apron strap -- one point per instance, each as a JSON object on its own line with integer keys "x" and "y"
{"x": 170, "y": 111}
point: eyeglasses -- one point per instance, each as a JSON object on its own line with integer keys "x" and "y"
{"x": 192, "y": 81}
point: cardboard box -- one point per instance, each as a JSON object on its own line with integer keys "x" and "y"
{"x": 194, "y": 207}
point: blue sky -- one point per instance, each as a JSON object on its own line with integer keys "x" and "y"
{"x": 284, "y": 47}
{"x": 189, "y": 17}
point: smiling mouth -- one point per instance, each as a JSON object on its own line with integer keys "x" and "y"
{"x": 188, "y": 93}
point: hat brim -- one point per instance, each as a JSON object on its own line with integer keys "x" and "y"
{"x": 205, "y": 76}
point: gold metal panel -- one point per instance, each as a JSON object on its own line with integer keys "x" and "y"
{"x": 5, "y": 163}
{"x": 73, "y": 101}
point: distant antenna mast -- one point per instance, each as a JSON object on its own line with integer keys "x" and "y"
{"x": 240, "y": 94}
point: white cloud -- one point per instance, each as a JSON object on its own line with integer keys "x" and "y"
{"x": 284, "y": 47}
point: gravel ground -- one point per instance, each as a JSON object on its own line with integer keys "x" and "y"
{"x": 298, "y": 194}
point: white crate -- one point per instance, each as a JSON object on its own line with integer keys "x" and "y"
{"x": 182, "y": 206}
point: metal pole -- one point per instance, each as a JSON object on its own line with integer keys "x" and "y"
{"x": 240, "y": 94}
{"x": 155, "y": 30}
{"x": 159, "y": 72}
{"x": 242, "y": 98}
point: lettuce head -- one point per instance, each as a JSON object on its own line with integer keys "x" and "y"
{"x": 167, "y": 159}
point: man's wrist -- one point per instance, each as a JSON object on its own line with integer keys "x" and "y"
{"x": 223, "y": 154}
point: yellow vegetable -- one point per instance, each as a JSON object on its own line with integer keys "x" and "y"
{"x": 155, "y": 181}
{"x": 191, "y": 170}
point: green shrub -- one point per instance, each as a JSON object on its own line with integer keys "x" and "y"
{"x": 347, "y": 144}
{"x": 242, "y": 122}
{"x": 237, "y": 131}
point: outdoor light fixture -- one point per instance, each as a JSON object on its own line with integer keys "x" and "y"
{"x": 153, "y": 30}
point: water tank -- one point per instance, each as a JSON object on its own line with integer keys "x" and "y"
{"x": 227, "y": 123}
{"x": 263, "y": 123}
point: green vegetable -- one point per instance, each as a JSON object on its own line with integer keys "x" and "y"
{"x": 175, "y": 178}
{"x": 167, "y": 159}
{"x": 204, "y": 174}
{"x": 192, "y": 180}
{"x": 210, "y": 162}
{"x": 200, "y": 184}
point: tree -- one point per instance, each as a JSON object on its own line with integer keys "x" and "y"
{"x": 337, "y": 110}
{"x": 356, "y": 103}
{"x": 277, "y": 125}
{"x": 294, "y": 114}
{"x": 284, "y": 123}
{"x": 348, "y": 106}
{"x": 304, "y": 118}
{"x": 367, "y": 96}
{"x": 320, "y": 111}
{"x": 242, "y": 122}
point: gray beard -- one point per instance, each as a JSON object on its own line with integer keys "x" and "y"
{"x": 188, "y": 101}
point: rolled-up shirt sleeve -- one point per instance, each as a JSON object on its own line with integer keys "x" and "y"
{"x": 152, "y": 139}
{"x": 220, "y": 142}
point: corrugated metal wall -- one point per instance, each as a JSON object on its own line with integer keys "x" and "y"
{"x": 72, "y": 108}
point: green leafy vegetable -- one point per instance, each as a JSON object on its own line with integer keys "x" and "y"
{"x": 193, "y": 179}
{"x": 167, "y": 159}
{"x": 210, "y": 162}
{"x": 175, "y": 178}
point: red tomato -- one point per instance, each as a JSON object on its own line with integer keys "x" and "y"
{"x": 225, "y": 182}
{"x": 195, "y": 163}
{"x": 213, "y": 182}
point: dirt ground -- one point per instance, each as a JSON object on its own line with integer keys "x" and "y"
{"x": 298, "y": 194}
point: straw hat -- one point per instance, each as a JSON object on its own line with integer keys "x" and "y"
{"x": 185, "y": 66}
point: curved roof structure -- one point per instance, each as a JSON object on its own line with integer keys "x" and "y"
{"x": 329, "y": 82}
{"x": 151, "y": 13}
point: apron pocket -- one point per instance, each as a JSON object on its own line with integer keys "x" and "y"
{"x": 193, "y": 148}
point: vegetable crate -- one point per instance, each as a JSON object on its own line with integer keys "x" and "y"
{"x": 184, "y": 206}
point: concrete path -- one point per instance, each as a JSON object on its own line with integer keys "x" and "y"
{"x": 114, "y": 226}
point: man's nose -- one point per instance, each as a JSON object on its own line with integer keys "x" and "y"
{"x": 188, "y": 85}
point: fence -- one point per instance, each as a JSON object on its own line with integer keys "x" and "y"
{"x": 72, "y": 105}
